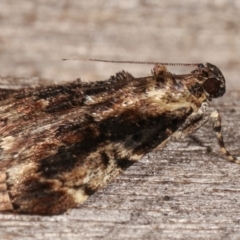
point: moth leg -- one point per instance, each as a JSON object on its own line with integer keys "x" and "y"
{"x": 216, "y": 119}
{"x": 192, "y": 123}
{"x": 198, "y": 119}
{"x": 199, "y": 142}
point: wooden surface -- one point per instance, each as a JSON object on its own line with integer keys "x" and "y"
{"x": 181, "y": 192}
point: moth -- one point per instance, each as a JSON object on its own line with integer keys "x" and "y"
{"x": 61, "y": 143}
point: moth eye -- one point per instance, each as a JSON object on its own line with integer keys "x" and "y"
{"x": 211, "y": 86}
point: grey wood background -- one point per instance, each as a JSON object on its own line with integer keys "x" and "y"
{"x": 183, "y": 191}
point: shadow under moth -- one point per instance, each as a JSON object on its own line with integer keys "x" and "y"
{"x": 61, "y": 143}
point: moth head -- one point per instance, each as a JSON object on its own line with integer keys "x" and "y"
{"x": 213, "y": 81}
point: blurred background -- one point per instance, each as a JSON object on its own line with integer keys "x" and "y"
{"x": 36, "y": 35}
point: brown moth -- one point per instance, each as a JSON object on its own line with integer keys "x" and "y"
{"x": 59, "y": 144}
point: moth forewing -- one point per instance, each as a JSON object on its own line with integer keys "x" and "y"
{"x": 60, "y": 144}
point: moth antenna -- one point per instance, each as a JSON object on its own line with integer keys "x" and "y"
{"x": 133, "y": 62}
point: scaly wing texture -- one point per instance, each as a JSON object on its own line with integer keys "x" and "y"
{"x": 59, "y": 144}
